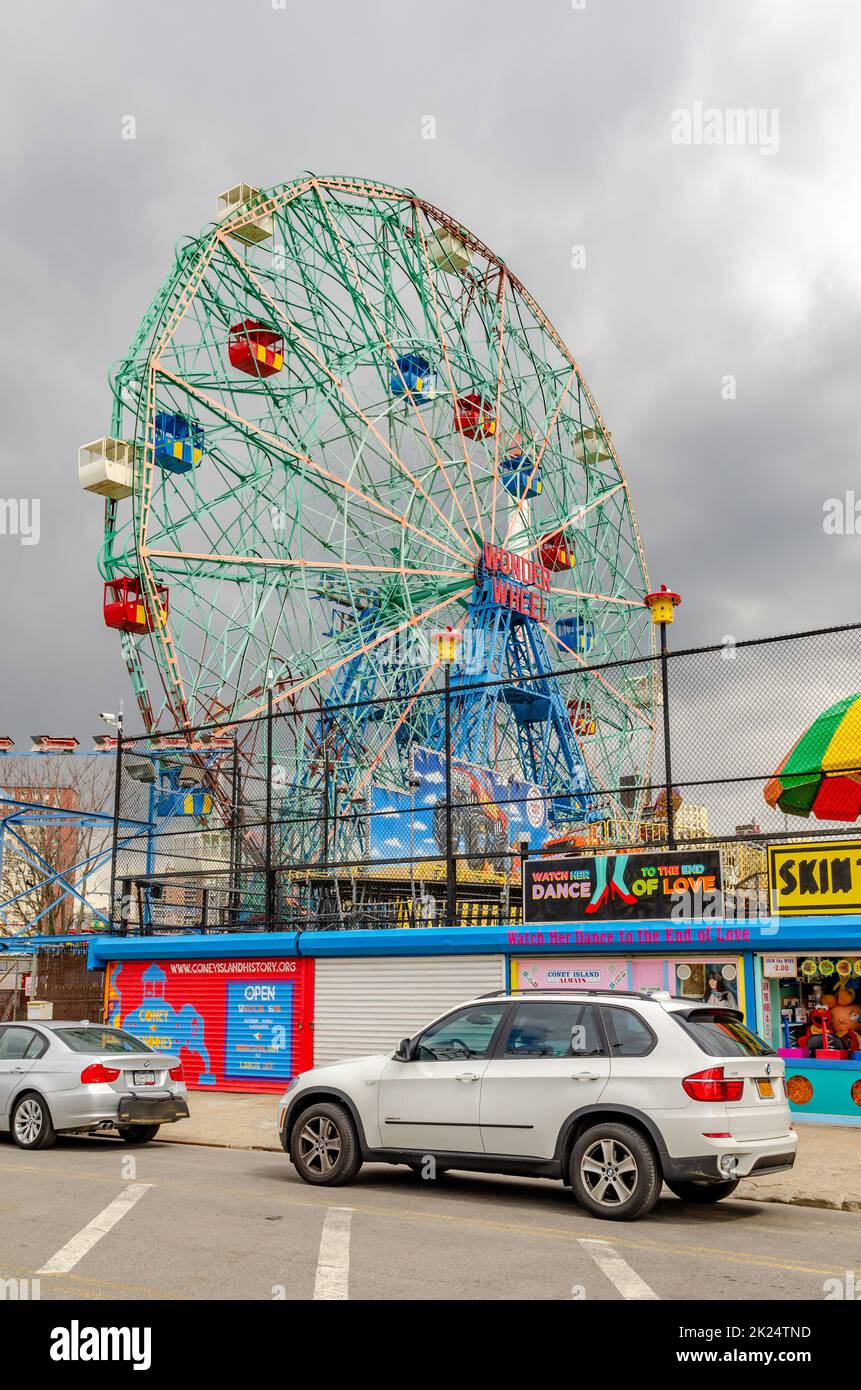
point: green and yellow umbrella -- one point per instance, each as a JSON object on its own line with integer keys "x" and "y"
{"x": 822, "y": 772}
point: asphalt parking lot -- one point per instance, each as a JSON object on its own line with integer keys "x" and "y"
{"x": 94, "y": 1219}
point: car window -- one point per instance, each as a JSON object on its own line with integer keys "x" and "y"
{"x": 16, "y": 1043}
{"x": 627, "y": 1034}
{"x": 95, "y": 1039}
{"x": 468, "y": 1033}
{"x": 554, "y": 1030}
{"x": 723, "y": 1036}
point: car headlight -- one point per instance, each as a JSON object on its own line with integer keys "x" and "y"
{"x": 290, "y": 1084}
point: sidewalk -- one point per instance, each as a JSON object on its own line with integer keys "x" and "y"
{"x": 827, "y": 1172}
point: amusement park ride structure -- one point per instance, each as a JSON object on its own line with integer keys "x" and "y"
{"x": 56, "y": 855}
{"x": 343, "y": 422}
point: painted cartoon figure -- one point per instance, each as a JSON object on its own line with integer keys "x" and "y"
{"x": 837, "y": 1024}
{"x": 157, "y": 1022}
{"x": 845, "y": 1018}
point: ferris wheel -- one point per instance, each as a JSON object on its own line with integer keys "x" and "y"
{"x": 342, "y": 424}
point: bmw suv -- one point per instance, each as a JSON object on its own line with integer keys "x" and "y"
{"x": 613, "y": 1093}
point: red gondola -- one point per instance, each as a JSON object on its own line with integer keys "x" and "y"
{"x": 125, "y": 605}
{"x": 473, "y": 416}
{"x": 255, "y": 348}
{"x": 556, "y": 553}
{"x": 582, "y": 718}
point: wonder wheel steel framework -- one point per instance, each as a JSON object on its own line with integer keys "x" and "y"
{"x": 342, "y": 415}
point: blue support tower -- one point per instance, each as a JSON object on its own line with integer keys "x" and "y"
{"x": 506, "y": 661}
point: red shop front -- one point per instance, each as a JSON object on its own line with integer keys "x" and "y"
{"x": 237, "y": 1025}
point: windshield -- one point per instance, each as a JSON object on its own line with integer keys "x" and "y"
{"x": 94, "y": 1039}
{"x": 721, "y": 1035}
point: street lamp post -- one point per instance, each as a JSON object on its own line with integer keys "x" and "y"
{"x": 116, "y": 722}
{"x": 662, "y": 603}
{"x": 447, "y": 643}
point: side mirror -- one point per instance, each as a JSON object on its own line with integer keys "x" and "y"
{"x": 404, "y": 1052}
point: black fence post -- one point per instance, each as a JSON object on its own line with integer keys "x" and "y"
{"x": 235, "y": 812}
{"x": 325, "y": 808}
{"x": 118, "y": 770}
{"x": 270, "y": 871}
{"x": 450, "y": 868}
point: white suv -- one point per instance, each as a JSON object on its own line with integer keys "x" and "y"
{"x": 611, "y": 1092}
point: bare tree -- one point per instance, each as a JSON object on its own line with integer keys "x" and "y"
{"x": 41, "y": 844}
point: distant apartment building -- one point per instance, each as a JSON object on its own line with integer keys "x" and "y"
{"x": 691, "y": 822}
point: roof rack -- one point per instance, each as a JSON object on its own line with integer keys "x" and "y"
{"x": 562, "y": 989}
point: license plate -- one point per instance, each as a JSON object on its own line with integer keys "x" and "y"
{"x": 766, "y": 1089}
{"x": 143, "y": 1078}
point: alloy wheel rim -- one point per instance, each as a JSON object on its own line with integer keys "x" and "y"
{"x": 609, "y": 1172}
{"x": 28, "y": 1121}
{"x": 319, "y": 1145}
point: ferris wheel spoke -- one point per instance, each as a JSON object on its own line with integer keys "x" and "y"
{"x": 274, "y": 442}
{"x": 598, "y": 676}
{"x": 613, "y": 600}
{"x": 368, "y": 646}
{"x": 499, "y": 377}
{"x": 308, "y": 348}
{"x": 431, "y": 280}
{"x": 276, "y": 562}
{"x": 515, "y": 515}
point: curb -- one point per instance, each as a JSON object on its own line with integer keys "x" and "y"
{"x": 849, "y": 1204}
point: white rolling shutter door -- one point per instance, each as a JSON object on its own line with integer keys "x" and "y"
{"x": 367, "y": 1005}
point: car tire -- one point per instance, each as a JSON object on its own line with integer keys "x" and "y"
{"x": 30, "y": 1122}
{"x": 614, "y": 1172}
{"x": 324, "y": 1145}
{"x": 137, "y": 1134}
{"x": 703, "y": 1192}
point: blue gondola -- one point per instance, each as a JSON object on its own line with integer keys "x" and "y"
{"x": 182, "y": 801}
{"x": 578, "y": 634}
{"x": 520, "y": 477}
{"x": 179, "y": 442}
{"x": 413, "y": 376}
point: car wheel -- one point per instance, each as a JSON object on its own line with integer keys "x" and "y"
{"x": 324, "y": 1146}
{"x": 703, "y": 1191}
{"x": 137, "y": 1134}
{"x": 614, "y": 1172}
{"x": 31, "y": 1124}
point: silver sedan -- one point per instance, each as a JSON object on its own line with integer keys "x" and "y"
{"x": 64, "y": 1077}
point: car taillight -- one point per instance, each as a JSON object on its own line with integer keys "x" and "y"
{"x": 711, "y": 1084}
{"x": 96, "y": 1072}
{"x": 176, "y": 1073}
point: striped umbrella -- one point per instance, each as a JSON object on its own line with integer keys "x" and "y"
{"x": 822, "y": 772}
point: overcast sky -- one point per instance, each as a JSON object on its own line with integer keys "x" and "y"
{"x": 554, "y": 129}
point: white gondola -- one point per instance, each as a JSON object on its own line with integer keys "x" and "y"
{"x": 106, "y": 467}
{"x": 239, "y": 196}
{"x": 591, "y": 447}
{"x": 448, "y": 252}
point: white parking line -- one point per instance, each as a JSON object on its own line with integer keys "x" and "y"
{"x": 617, "y": 1270}
{"x": 75, "y": 1249}
{"x": 333, "y": 1261}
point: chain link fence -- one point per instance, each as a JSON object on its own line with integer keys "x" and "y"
{"x": 373, "y": 814}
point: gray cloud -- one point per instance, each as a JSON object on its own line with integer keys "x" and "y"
{"x": 553, "y": 129}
